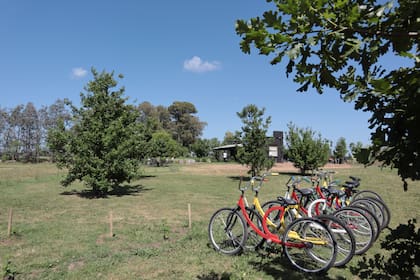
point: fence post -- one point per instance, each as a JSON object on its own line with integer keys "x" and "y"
{"x": 189, "y": 215}
{"x": 111, "y": 227}
{"x": 9, "y": 224}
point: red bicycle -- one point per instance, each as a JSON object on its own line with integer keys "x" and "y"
{"x": 307, "y": 242}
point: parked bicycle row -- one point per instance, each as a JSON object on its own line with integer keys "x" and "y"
{"x": 318, "y": 227}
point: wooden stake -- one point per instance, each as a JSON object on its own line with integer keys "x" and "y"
{"x": 111, "y": 227}
{"x": 189, "y": 215}
{"x": 9, "y": 225}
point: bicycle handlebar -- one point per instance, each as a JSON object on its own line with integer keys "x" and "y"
{"x": 296, "y": 180}
{"x": 253, "y": 181}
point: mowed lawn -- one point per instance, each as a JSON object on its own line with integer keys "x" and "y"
{"x": 63, "y": 233}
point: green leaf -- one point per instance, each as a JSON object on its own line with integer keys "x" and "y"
{"x": 381, "y": 85}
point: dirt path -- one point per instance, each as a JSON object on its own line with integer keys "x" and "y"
{"x": 236, "y": 169}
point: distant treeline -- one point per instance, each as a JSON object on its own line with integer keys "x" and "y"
{"x": 24, "y": 128}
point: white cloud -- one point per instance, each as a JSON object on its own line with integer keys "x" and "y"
{"x": 79, "y": 72}
{"x": 195, "y": 64}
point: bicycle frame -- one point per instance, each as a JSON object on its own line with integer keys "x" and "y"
{"x": 266, "y": 234}
{"x": 293, "y": 195}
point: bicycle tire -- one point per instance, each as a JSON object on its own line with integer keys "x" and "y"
{"x": 374, "y": 220}
{"x": 316, "y": 208}
{"x": 360, "y": 225}
{"x": 379, "y": 208}
{"x": 310, "y": 257}
{"x": 366, "y": 193}
{"x": 227, "y": 231}
{"x": 346, "y": 242}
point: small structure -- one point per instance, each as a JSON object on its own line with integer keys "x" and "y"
{"x": 228, "y": 151}
{"x": 275, "y": 149}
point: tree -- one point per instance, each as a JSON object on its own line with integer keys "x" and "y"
{"x": 340, "y": 150}
{"x": 359, "y": 153}
{"x": 230, "y": 138}
{"x": 204, "y": 147}
{"x": 163, "y": 146}
{"x": 355, "y": 147}
{"x": 254, "y": 151}
{"x": 306, "y": 148}
{"x": 339, "y": 44}
{"x": 31, "y": 136}
{"x": 106, "y": 144}
{"x": 50, "y": 117}
{"x": 186, "y": 127}
{"x": 13, "y": 135}
{"x": 4, "y": 116}
{"x": 201, "y": 148}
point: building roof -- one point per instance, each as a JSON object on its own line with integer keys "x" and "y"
{"x": 227, "y": 147}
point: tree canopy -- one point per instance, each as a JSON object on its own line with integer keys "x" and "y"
{"x": 340, "y": 44}
{"x": 186, "y": 126}
{"x": 106, "y": 144}
{"x": 340, "y": 150}
{"x": 306, "y": 148}
{"x": 254, "y": 141}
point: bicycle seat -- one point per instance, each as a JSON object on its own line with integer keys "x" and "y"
{"x": 355, "y": 179}
{"x": 351, "y": 184}
{"x": 286, "y": 201}
{"x": 305, "y": 191}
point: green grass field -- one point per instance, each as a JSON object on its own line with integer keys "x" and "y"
{"x": 61, "y": 233}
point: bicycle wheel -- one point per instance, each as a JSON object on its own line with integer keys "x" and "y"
{"x": 254, "y": 240}
{"x": 373, "y": 208}
{"x": 227, "y": 231}
{"x": 366, "y": 193}
{"x": 346, "y": 242}
{"x": 309, "y": 245}
{"x": 378, "y": 207}
{"x": 360, "y": 225}
{"x": 376, "y": 225}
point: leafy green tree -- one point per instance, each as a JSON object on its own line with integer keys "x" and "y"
{"x": 106, "y": 144}
{"x": 230, "y": 138}
{"x": 186, "y": 127}
{"x": 31, "y": 133}
{"x": 359, "y": 153}
{"x": 161, "y": 145}
{"x": 204, "y": 147}
{"x": 253, "y": 136}
{"x": 339, "y": 44}
{"x": 50, "y": 116}
{"x": 340, "y": 150}
{"x": 306, "y": 149}
{"x": 4, "y": 116}
{"x": 355, "y": 147}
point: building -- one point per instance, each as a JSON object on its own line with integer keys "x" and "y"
{"x": 275, "y": 148}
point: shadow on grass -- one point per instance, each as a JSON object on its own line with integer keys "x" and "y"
{"x": 273, "y": 262}
{"x": 403, "y": 262}
{"x": 238, "y": 178}
{"x": 246, "y": 178}
{"x": 214, "y": 276}
{"x": 119, "y": 191}
{"x": 292, "y": 173}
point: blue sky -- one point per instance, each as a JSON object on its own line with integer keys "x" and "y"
{"x": 168, "y": 51}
